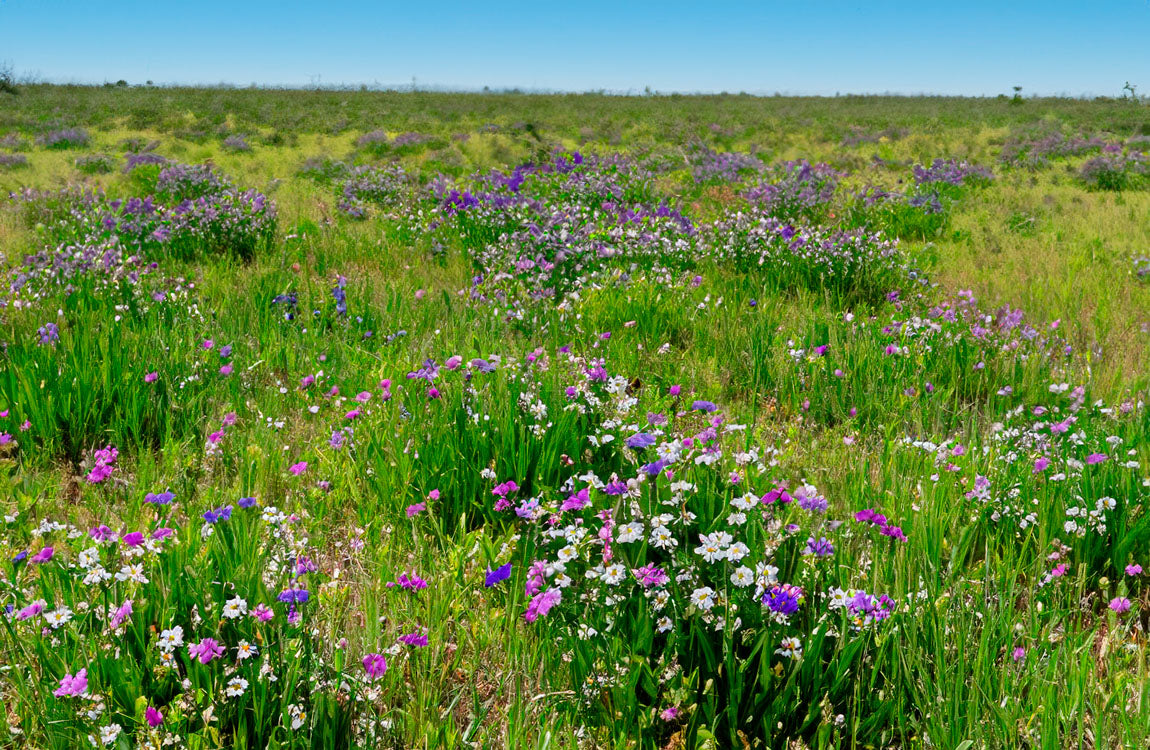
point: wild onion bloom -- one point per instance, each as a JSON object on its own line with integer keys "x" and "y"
{"x": 206, "y": 650}
{"x": 375, "y": 665}
{"x": 73, "y": 685}
{"x": 500, "y": 574}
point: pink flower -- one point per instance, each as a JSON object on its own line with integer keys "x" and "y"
{"x": 151, "y": 377}
{"x": 1134, "y": 569}
{"x": 73, "y": 685}
{"x": 43, "y": 555}
{"x": 1120, "y": 604}
{"x": 226, "y": 369}
{"x": 1018, "y": 653}
{"x": 375, "y": 665}
{"x": 123, "y": 613}
{"x": 299, "y": 468}
{"x": 262, "y": 612}
{"x": 1096, "y": 458}
{"x": 414, "y": 510}
{"x": 542, "y": 603}
{"x": 1040, "y": 464}
{"x": 205, "y": 650}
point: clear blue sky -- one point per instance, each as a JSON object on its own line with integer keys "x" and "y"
{"x": 800, "y": 46}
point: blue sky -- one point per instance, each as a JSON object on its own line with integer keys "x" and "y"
{"x": 801, "y": 46}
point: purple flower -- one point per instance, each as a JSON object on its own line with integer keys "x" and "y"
{"x": 153, "y": 717}
{"x": 415, "y": 639}
{"x": 1134, "y": 569}
{"x": 375, "y": 665}
{"x": 162, "y": 498}
{"x": 820, "y": 548}
{"x": 246, "y": 502}
{"x": 205, "y": 650}
{"x": 640, "y": 440}
{"x": 43, "y": 555}
{"x": 293, "y": 596}
{"x": 502, "y": 573}
{"x": 299, "y": 468}
{"x": 73, "y": 685}
{"x": 783, "y": 599}
{"x": 1096, "y": 458}
{"x": 1120, "y": 604}
{"x": 704, "y": 406}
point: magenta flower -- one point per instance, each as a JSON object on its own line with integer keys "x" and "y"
{"x": 1018, "y": 653}
{"x": 414, "y": 510}
{"x": 1096, "y": 458}
{"x": 152, "y": 377}
{"x": 262, "y": 612}
{"x": 33, "y": 609}
{"x": 1134, "y": 570}
{"x": 205, "y": 650}
{"x": 43, "y": 555}
{"x": 1040, "y": 464}
{"x": 153, "y": 717}
{"x": 375, "y": 665}
{"x": 1120, "y": 604}
{"x": 415, "y": 639}
{"x": 122, "y": 614}
{"x": 227, "y": 369}
{"x": 299, "y": 468}
{"x": 133, "y": 538}
{"x": 542, "y": 603}
{"x": 73, "y": 685}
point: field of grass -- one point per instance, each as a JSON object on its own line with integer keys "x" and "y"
{"x": 372, "y": 419}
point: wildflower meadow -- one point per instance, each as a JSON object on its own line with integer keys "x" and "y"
{"x": 350, "y": 419}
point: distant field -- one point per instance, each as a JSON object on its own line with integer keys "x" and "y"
{"x": 372, "y": 419}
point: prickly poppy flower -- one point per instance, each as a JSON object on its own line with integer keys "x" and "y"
{"x": 72, "y": 685}
{"x": 299, "y": 468}
{"x": 43, "y": 555}
{"x": 502, "y": 573}
{"x": 153, "y": 717}
{"x": 205, "y": 650}
{"x": 375, "y": 665}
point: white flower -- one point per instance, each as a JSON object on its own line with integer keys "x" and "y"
{"x": 662, "y": 538}
{"x": 245, "y": 650}
{"x": 614, "y": 574}
{"x": 89, "y": 557}
{"x": 235, "y": 608}
{"x": 791, "y": 647}
{"x": 96, "y": 576}
{"x": 109, "y": 733}
{"x": 743, "y": 576}
{"x": 171, "y": 639}
{"x": 703, "y": 598}
{"x": 134, "y": 572}
{"x": 664, "y": 624}
{"x": 630, "y": 532}
{"x": 568, "y": 553}
{"x": 237, "y": 686}
{"x": 58, "y": 617}
{"x": 737, "y": 551}
{"x": 711, "y": 547}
